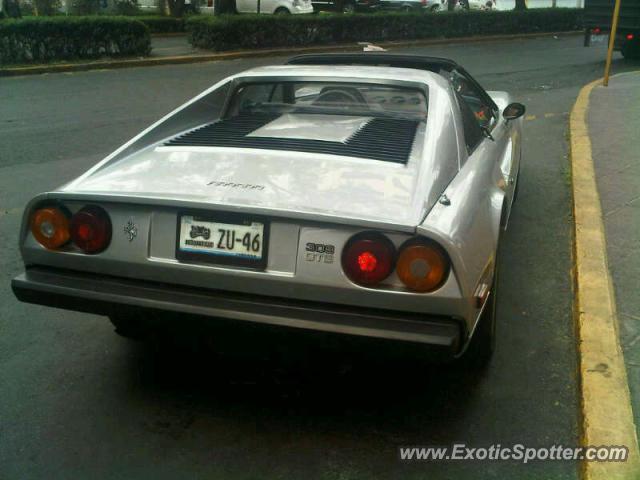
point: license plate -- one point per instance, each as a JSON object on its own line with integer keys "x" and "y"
{"x": 599, "y": 38}
{"x": 228, "y": 240}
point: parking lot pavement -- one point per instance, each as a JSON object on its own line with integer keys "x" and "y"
{"x": 614, "y": 123}
{"x": 78, "y": 402}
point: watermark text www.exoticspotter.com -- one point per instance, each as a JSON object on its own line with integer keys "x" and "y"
{"x": 518, "y": 453}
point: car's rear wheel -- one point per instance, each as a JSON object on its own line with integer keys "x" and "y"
{"x": 483, "y": 342}
{"x": 134, "y": 327}
{"x": 282, "y": 11}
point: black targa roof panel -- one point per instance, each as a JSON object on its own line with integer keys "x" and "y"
{"x": 418, "y": 62}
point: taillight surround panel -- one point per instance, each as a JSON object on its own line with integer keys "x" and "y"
{"x": 308, "y": 254}
{"x": 417, "y": 264}
{"x": 80, "y": 228}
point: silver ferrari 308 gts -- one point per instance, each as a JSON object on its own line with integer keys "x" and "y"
{"x": 361, "y": 195}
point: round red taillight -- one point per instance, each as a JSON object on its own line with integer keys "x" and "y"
{"x": 368, "y": 258}
{"x": 91, "y": 229}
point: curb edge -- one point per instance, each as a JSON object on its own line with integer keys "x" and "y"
{"x": 607, "y": 416}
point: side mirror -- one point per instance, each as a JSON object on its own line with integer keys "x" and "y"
{"x": 513, "y": 111}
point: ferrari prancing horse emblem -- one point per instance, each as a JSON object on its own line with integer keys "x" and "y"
{"x": 131, "y": 229}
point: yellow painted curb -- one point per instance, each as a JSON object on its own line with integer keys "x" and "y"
{"x": 212, "y": 57}
{"x": 607, "y": 417}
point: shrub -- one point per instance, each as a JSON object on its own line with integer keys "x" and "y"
{"x": 229, "y": 32}
{"x": 43, "y": 39}
{"x": 160, "y": 24}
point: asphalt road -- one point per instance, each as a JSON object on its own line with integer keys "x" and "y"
{"x": 77, "y": 401}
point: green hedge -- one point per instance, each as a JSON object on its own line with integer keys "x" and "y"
{"x": 252, "y": 31}
{"x": 43, "y": 39}
{"x": 160, "y": 24}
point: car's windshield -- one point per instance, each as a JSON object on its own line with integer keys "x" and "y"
{"x": 334, "y": 98}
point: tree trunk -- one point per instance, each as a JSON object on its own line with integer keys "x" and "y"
{"x": 176, "y": 7}
{"x": 521, "y": 5}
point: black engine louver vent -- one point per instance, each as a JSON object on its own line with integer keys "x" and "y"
{"x": 386, "y": 139}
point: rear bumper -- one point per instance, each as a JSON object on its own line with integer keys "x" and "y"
{"x": 108, "y": 295}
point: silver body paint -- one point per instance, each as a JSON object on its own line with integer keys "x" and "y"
{"x": 308, "y": 198}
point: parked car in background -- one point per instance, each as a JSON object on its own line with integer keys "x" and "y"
{"x": 481, "y": 4}
{"x": 346, "y": 6}
{"x": 410, "y": 5}
{"x": 274, "y": 6}
{"x": 208, "y": 7}
{"x": 597, "y": 23}
{"x": 470, "y": 4}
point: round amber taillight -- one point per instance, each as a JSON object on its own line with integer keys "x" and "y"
{"x": 422, "y": 266}
{"x": 50, "y": 227}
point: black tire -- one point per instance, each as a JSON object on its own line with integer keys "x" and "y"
{"x": 282, "y": 11}
{"x": 129, "y": 326}
{"x": 435, "y": 8}
{"x": 483, "y": 343}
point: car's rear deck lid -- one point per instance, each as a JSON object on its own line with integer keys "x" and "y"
{"x": 386, "y": 139}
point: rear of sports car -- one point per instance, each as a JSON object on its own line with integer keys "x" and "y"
{"x": 296, "y": 218}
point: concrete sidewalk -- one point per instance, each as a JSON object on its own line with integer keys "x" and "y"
{"x": 614, "y": 128}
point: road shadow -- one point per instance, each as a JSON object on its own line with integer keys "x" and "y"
{"x": 293, "y": 380}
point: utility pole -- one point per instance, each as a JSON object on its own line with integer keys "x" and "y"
{"x": 612, "y": 39}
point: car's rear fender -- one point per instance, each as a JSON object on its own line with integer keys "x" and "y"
{"x": 466, "y": 222}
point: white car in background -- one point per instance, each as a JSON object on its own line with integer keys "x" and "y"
{"x": 242, "y": 6}
{"x": 471, "y": 5}
{"x": 274, "y": 6}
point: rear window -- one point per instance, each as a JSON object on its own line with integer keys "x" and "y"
{"x": 332, "y": 98}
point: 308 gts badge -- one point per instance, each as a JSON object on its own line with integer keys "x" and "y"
{"x": 319, "y": 252}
